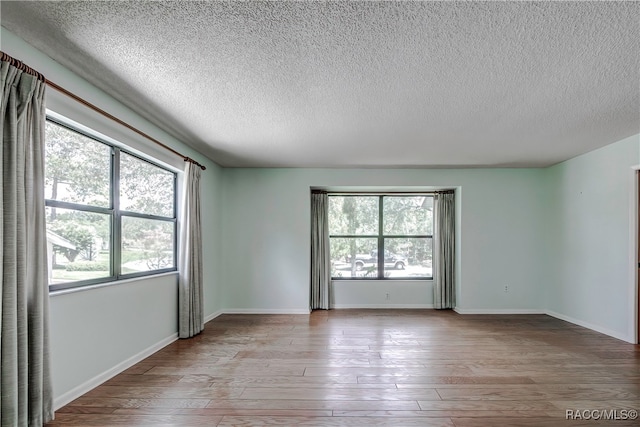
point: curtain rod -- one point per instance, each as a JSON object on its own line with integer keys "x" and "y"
{"x": 383, "y": 193}
{"x": 120, "y": 122}
{"x": 22, "y": 66}
{"x": 377, "y": 193}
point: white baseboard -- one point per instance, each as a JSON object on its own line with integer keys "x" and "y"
{"x": 213, "y": 315}
{"x": 265, "y": 311}
{"x": 591, "y": 326}
{"x": 390, "y": 306}
{"x": 551, "y": 313}
{"x": 498, "y": 311}
{"x": 83, "y": 388}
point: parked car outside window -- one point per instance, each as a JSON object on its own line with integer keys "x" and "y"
{"x": 391, "y": 260}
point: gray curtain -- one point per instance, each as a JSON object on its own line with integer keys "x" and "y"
{"x": 320, "y": 262}
{"x": 444, "y": 251}
{"x": 190, "y": 311}
{"x": 25, "y": 383}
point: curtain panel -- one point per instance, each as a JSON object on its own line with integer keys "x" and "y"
{"x": 320, "y": 262}
{"x": 190, "y": 306}
{"x": 444, "y": 251}
{"x": 25, "y": 379}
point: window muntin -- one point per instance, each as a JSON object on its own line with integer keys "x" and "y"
{"x": 90, "y": 237}
{"x": 391, "y": 230}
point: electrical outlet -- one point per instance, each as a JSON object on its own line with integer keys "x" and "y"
{"x": 506, "y": 288}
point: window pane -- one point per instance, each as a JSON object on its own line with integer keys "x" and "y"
{"x": 407, "y": 215}
{"x": 353, "y": 215}
{"x": 147, "y": 244}
{"x": 411, "y": 257}
{"x": 354, "y": 257}
{"x": 77, "y": 168}
{"x": 145, "y": 188}
{"x": 78, "y": 245}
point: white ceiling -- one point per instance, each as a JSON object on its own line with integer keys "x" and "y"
{"x": 358, "y": 84}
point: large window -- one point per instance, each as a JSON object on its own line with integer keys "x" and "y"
{"x": 381, "y": 236}
{"x": 109, "y": 214}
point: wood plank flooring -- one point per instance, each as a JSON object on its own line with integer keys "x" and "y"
{"x": 373, "y": 368}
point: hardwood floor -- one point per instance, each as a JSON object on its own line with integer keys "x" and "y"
{"x": 373, "y": 368}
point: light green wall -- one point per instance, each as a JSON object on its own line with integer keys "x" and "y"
{"x": 266, "y": 234}
{"x": 591, "y": 240}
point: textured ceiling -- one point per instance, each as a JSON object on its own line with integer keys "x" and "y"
{"x": 358, "y": 83}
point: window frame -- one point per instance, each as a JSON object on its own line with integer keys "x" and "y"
{"x": 381, "y": 236}
{"x": 115, "y": 213}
